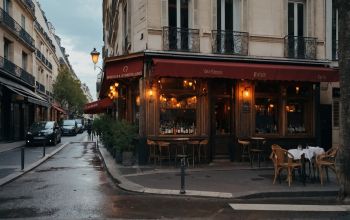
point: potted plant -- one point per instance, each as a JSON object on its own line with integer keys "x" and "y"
{"x": 124, "y": 135}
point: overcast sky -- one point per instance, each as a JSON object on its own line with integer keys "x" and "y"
{"x": 79, "y": 24}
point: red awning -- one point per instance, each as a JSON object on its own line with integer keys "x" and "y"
{"x": 57, "y": 108}
{"x": 239, "y": 70}
{"x": 98, "y": 106}
{"x": 124, "y": 68}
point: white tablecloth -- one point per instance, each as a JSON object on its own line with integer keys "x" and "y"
{"x": 310, "y": 153}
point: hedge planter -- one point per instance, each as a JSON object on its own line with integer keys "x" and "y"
{"x": 128, "y": 158}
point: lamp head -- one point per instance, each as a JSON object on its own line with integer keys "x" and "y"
{"x": 94, "y": 55}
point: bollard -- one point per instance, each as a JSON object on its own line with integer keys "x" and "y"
{"x": 183, "y": 163}
{"x": 44, "y": 150}
{"x": 22, "y": 158}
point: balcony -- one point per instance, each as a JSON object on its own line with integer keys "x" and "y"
{"x": 40, "y": 29}
{"x": 30, "y": 5}
{"x": 230, "y": 42}
{"x": 335, "y": 50}
{"x": 181, "y": 39}
{"x": 40, "y": 87}
{"x": 300, "y": 47}
{"x": 16, "y": 71}
{"x": 12, "y": 25}
{"x": 43, "y": 59}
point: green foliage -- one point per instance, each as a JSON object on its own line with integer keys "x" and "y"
{"x": 116, "y": 135}
{"x": 67, "y": 91}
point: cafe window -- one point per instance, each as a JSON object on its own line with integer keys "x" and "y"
{"x": 178, "y": 104}
{"x": 298, "y": 108}
{"x": 267, "y": 107}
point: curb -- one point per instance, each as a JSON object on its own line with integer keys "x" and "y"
{"x": 113, "y": 170}
{"x": 125, "y": 184}
{"x": 30, "y": 167}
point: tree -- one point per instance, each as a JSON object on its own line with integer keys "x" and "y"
{"x": 67, "y": 91}
{"x": 343, "y": 158}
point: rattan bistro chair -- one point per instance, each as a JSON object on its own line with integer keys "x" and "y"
{"x": 326, "y": 160}
{"x": 283, "y": 160}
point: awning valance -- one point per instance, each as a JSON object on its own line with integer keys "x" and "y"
{"x": 30, "y": 96}
{"x": 57, "y": 108}
{"x": 240, "y": 70}
{"x": 98, "y": 106}
{"x": 124, "y": 68}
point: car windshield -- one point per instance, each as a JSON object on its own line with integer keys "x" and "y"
{"x": 42, "y": 125}
{"x": 79, "y": 121}
{"x": 68, "y": 123}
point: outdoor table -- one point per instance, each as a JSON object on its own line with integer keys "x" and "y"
{"x": 308, "y": 153}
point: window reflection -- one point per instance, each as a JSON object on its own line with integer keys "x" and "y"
{"x": 178, "y": 103}
{"x": 266, "y": 115}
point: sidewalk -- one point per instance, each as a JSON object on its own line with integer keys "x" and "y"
{"x": 220, "y": 180}
{"x": 5, "y": 146}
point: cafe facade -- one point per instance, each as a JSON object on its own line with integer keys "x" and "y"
{"x": 219, "y": 98}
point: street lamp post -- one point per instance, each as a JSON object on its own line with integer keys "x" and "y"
{"x": 94, "y": 56}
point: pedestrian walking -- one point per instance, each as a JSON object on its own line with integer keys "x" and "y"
{"x": 89, "y": 129}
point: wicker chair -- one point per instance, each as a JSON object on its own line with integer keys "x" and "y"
{"x": 326, "y": 160}
{"x": 282, "y": 159}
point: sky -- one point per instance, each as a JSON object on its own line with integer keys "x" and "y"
{"x": 79, "y": 25}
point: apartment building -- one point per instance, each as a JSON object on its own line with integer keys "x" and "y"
{"x": 30, "y": 58}
{"x": 18, "y": 99}
{"x": 220, "y": 70}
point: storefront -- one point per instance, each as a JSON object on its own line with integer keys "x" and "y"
{"x": 18, "y": 104}
{"x": 218, "y": 99}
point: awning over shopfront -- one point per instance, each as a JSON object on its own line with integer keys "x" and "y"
{"x": 124, "y": 68}
{"x": 99, "y": 106}
{"x": 56, "y": 107}
{"x": 25, "y": 92}
{"x": 240, "y": 70}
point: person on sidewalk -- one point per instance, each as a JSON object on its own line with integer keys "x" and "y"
{"x": 89, "y": 129}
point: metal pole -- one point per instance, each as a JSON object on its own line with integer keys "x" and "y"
{"x": 44, "y": 148}
{"x": 22, "y": 157}
{"x": 182, "y": 190}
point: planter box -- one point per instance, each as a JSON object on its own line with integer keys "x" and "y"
{"x": 128, "y": 158}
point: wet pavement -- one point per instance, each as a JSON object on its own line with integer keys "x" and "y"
{"x": 10, "y": 160}
{"x": 73, "y": 184}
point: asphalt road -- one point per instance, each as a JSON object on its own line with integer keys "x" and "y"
{"x": 10, "y": 161}
{"x": 73, "y": 184}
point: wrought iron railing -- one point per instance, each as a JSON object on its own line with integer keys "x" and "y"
{"x": 17, "y": 71}
{"x": 335, "y": 50}
{"x": 43, "y": 59}
{"x": 300, "y": 47}
{"x": 30, "y": 5}
{"x": 181, "y": 39}
{"x": 10, "y": 23}
{"x": 40, "y": 29}
{"x": 230, "y": 42}
{"x": 40, "y": 87}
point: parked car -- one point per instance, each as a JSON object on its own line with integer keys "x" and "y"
{"x": 69, "y": 127}
{"x": 47, "y": 131}
{"x": 80, "y": 125}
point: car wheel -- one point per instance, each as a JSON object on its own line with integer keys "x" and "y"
{"x": 28, "y": 144}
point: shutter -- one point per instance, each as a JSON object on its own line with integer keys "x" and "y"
{"x": 214, "y": 4}
{"x": 195, "y": 14}
{"x": 129, "y": 6}
{"x": 164, "y": 8}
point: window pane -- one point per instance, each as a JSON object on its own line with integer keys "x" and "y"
{"x": 295, "y": 109}
{"x": 178, "y": 103}
{"x": 300, "y": 19}
{"x": 266, "y": 115}
{"x": 291, "y": 19}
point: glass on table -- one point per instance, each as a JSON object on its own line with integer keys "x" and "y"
{"x": 299, "y": 147}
